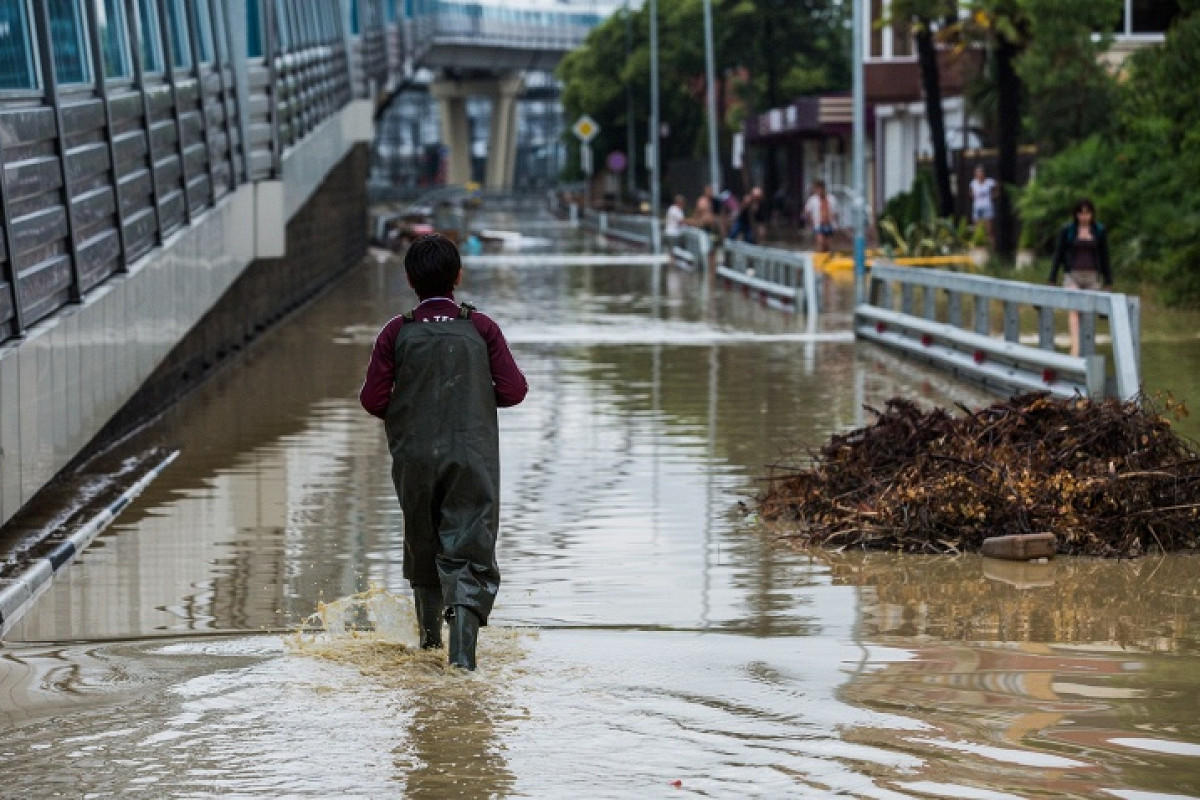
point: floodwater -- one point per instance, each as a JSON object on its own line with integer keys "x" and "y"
{"x": 649, "y": 639}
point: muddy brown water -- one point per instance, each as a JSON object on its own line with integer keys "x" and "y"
{"x": 649, "y": 640}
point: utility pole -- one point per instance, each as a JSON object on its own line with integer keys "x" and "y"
{"x": 630, "y": 136}
{"x": 859, "y": 200}
{"x": 714, "y": 166}
{"x": 655, "y": 134}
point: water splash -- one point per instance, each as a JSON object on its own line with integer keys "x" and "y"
{"x": 376, "y": 632}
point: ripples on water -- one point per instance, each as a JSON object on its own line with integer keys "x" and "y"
{"x": 645, "y": 635}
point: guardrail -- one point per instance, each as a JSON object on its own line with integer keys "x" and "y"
{"x": 1002, "y": 362}
{"x": 783, "y": 278}
{"x": 786, "y": 279}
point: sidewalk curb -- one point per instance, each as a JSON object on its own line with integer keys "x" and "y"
{"x": 18, "y": 594}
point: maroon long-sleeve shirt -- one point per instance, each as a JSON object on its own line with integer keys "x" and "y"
{"x": 376, "y": 391}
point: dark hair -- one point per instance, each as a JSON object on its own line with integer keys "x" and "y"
{"x": 432, "y": 264}
{"x": 1082, "y": 204}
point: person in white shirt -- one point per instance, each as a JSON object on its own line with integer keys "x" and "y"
{"x": 674, "y": 225}
{"x": 983, "y": 206}
{"x": 821, "y": 211}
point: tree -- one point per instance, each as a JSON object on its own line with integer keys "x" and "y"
{"x": 1003, "y": 26}
{"x": 787, "y": 47}
{"x": 1070, "y": 92}
{"x": 1142, "y": 169}
{"x": 922, "y": 17}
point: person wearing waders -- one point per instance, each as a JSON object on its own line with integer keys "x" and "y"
{"x": 436, "y": 377}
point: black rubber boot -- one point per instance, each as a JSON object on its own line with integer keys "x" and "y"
{"x": 464, "y": 633}
{"x": 428, "y": 600}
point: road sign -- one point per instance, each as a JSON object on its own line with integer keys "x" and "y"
{"x": 616, "y": 161}
{"x": 585, "y": 128}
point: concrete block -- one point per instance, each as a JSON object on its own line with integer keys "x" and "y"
{"x": 239, "y": 227}
{"x": 358, "y": 124}
{"x": 270, "y": 221}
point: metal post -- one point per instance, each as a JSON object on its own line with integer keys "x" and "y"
{"x": 164, "y": 24}
{"x": 201, "y": 98}
{"x": 135, "y": 22}
{"x": 11, "y": 272}
{"x": 630, "y": 135}
{"x": 239, "y": 56}
{"x": 102, "y": 91}
{"x": 655, "y": 134}
{"x": 60, "y": 146}
{"x": 268, "y": 25}
{"x": 714, "y": 167}
{"x": 220, "y": 23}
{"x": 860, "y": 242}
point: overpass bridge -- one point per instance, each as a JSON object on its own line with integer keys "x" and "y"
{"x": 481, "y": 48}
{"x": 177, "y": 174}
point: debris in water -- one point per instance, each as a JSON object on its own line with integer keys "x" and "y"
{"x": 1107, "y": 478}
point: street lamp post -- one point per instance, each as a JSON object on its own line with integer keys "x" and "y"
{"x": 630, "y": 142}
{"x": 655, "y": 134}
{"x": 710, "y": 78}
{"x": 859, "y": 200}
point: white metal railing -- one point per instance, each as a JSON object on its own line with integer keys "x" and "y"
{"x": 781, "y": 276}
{"x": 1002, "y": 360}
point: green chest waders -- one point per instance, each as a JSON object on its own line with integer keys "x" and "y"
{"x": 442, "y": 433}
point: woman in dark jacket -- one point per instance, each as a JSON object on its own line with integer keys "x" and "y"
{"x": 1082, "y": 254}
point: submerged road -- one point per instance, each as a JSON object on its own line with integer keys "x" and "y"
{"x": 648, "y": 641}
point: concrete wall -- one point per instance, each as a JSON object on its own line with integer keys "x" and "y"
{"x": 149, "y": 334}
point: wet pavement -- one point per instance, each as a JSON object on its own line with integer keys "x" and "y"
{"x": 649, "y": 640}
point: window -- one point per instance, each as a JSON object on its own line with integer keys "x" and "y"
{"x": 68, "y": 42}
{"x": 254, "y": 38}
{"x": 181, "y": 47}
{"x": 876, "y": 50}
{"x": 114, "y": 39}
{"x": 392, "y": 11}
{"x": 202, "y": 23}
{"x": 16, "y": 48}
{"x": 354, "y": 21}
{"x": 150, "y": 32}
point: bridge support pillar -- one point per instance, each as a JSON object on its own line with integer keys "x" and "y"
{"x": 502, "y": 139}
{"x": 452, "y": 97}
{"x": 456, "y": 131}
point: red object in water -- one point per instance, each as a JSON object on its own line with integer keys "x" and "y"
{"x": 880, "y": 327}
{"x": 677, "y": 783}
{"x": 927, "y": 340}
{"x": 979, "y": 356}
{"x": 1049, "y": 376}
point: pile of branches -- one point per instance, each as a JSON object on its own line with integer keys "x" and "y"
{"x": 1108, "y": 478}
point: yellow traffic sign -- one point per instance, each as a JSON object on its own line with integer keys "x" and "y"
{"x": 585, "y": 128}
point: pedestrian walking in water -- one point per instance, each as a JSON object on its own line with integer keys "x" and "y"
{"x": 822, "y": 213}
{"x": 436, "y": 376}
{"x": 704, "y": 219}
{"x": 673, "y": 229}
{"x": 1082, "y": 254}
{"x": 747, "y": 216}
